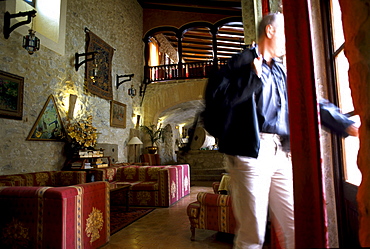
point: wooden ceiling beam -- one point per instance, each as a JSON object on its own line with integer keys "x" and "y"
{"x": 232, "y": 8}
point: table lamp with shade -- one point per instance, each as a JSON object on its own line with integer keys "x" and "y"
{"x": 135, "y": 141}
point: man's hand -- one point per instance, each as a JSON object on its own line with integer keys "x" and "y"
{"x": 352, "y": 130}
{"x": 257, "y": 66}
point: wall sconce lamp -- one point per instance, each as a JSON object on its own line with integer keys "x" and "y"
{"x": 72, "y": 103}
{"x": 77, "y": 58}
{"x": 130, "y": 76}
{"x": 30, "y": 42}
{"x": 7, "y": 16}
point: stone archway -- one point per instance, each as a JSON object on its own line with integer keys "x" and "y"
{"x": 161, "y": 96}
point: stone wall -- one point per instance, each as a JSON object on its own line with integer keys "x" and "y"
{"x": 165, "y": 47}
{"x": 119, "y": 23}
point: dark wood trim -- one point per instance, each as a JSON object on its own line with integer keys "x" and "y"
{"x": 214, "y": 7}
{"x": 196, "y": 42}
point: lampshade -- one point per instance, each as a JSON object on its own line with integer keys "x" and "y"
{"x": 135, "y": 140}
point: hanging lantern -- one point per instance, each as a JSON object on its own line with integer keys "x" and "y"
{"x": 131, "y": 91}
{"x": 30, "y": 42}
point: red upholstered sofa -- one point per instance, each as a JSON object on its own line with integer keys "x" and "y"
{"x": 158, "y": 186}
{"x": 75, "y": 216}
{"x": 44, "y": 178}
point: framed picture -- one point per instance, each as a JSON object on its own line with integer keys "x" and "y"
{"x": 117, "y": 114}
{"x": 11, "y": 95}
{"x": 48, "y": 126}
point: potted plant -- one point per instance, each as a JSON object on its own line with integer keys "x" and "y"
{"x": 155, "y": 135}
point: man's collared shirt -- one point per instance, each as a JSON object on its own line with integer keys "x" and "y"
{"x": 272, "y": 106}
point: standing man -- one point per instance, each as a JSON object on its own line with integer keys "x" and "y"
{"x": 255, "y": 137}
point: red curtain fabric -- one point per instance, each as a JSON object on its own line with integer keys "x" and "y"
{"x": 265, "y": 7}
{"x": 309, "y": 197}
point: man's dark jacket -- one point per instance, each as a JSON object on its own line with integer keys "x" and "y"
{"x": 235, "y": 120}
{"x": 240, "y": 131}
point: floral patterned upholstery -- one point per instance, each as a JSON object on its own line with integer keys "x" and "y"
{"x": 45, "y": 178}
{"x": 211, "y": 212}
{"x": 159, "y": 186}
{"x": 55, "y": 217}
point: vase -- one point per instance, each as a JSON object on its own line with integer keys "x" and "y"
{"x": 152, "y": 149}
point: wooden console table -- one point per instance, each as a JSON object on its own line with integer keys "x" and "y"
{"x": 116, "y": 195}
{"x": 78, "y": 163}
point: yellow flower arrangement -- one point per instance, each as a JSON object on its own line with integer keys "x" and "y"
{"x": 82, "y": 132}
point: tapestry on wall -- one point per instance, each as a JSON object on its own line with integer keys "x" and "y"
{"x": 48, "y": 125}
{"x": 101, "y": 84}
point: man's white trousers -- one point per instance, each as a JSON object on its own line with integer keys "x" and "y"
{"x": 260, "y": 184}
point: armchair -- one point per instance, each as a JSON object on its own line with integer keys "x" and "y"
{"x": 212, "y": 212}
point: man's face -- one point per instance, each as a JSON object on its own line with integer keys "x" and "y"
{"x": 279, "y": 38}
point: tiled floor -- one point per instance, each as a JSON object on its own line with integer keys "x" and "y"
{"x": 169, "y": 228}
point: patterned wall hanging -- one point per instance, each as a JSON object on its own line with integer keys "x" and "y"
{"x": 48, "y": 126}
{"x": 101, "y": 85}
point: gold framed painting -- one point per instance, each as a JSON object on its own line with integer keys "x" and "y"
{"x": 117, "y": 114}
{"x": 48, "y": 126}
{"x": 11, "y": 95}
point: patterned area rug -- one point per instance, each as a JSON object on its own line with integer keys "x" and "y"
{"x": 120, "y": 218}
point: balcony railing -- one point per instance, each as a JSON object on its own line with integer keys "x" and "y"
{"x": 196, "y": 70}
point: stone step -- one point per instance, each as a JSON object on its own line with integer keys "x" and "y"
{"x": 213, "y": 178}
{"x": 201, "y": 183}
{"x": 207, "y": 174}
{"x": 207, "y": 171}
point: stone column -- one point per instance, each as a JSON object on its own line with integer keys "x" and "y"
{"x": 356, "y": 25}
{"x": 252, "y": 14}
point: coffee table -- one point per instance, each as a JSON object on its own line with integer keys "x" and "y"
{"x": 120, "y": 193}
